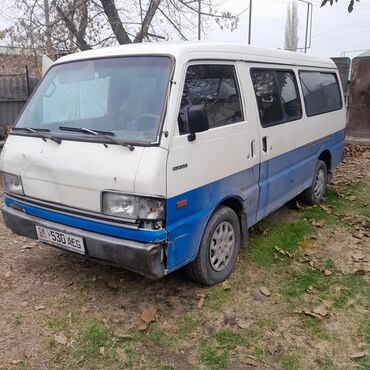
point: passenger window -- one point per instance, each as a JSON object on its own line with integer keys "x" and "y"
{"x": 216, "y": 88}
{"x": 277, "y": 96}
{"x": 321, "y": 92}
{"x": 289, "y": 95}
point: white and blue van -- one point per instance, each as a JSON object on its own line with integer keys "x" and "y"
{"x": 156, "y": 156}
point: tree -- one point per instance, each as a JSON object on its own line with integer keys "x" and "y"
{"x": 331, "y": 2}
{"x": 64, "y": 26}
{"x": 291, "y": 28}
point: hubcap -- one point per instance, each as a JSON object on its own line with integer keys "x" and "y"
{"x": 222, "y": 246}
{"x": 320, "y": 183}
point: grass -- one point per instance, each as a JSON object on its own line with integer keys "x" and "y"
{"x": 217, "y": 296}
{"x": 229, "y": 339}
{"x": 211, "y": 358}
{"x": 188, "y": 325}
{"x": 61, "y": 323}
{"x": 301, "y": 281}
{"x": 354, "y": 202}
{"x": 93, "y": 337}
{"x": 290, "y": 361}
{"x": 283, "y": 235}
{"x": 314, "y": 327}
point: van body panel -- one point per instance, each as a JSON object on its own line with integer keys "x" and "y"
{"x": 193, "y": 178}
{"x": 185, "y": 226}
{"x": 71, "y": 173}
{"x": 150, "y": 178}
{"x": 286, "y": 175}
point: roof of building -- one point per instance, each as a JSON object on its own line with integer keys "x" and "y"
{"x": 201, "y": 49}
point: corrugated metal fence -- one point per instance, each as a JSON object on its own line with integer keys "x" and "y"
{"x": 14, "y": 92}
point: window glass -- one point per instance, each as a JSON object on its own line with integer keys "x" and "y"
{"x": 268, "y": 96}
{"x": 277, "y": 96}
{"x": 289, "y": 95}
{"x": 124, "y": 96}
{"x": 321, "y": 92}
{"x": 214, "y": 87}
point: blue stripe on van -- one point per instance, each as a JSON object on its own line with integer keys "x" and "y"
{"x": 145, "y": 236}
{"x": 282, "y": 178}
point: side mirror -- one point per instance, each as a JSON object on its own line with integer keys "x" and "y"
{"x": 197, "y": 120}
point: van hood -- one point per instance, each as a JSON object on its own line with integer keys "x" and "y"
{"x": 73, "y": 173}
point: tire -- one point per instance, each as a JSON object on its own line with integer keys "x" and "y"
{"x": 218, "y": 250}
{"x": 315, "y": 193}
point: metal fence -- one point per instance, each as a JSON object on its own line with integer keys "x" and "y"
{"x": 14, "y": 93}
{"x": 359, "y": 99}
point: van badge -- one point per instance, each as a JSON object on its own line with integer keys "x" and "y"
{"x": 180, "y": 167}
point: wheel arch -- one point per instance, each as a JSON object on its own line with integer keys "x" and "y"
{"x": 235, "y": 202}
{"x": 326, "y": 157}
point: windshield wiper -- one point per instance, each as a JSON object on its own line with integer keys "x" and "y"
{"x": 102, "y": 134}
{"x": 39, "y": 132}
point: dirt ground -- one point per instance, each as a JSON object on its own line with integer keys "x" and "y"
{"x": 298, "y": 299}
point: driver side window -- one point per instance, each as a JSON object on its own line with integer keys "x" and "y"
{"x": 216, "y": 88}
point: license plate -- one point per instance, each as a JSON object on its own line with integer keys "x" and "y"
{"x": 62, "y": 240}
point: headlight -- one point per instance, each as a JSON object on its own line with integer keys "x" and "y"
{"x": 133, "y": 207}
{"x": 12, "y": 183}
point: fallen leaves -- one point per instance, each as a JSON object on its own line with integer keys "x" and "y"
{"x": 122, "y": 335}
{"x": 201, "y": 297}
{"x": 242, "y": 324}
{"x": 318, "y": 312}
{"x": 317, "y": 223}
{"x": 8, "y": 274}
{"x": 265, "y": 291}
{"x": 284, "y": 252}
{"x": 303, "y": 244}
{"x": 61, "y": 339}
{"x": 358, "y": 257}
{"x": 249, "y": 360}
{"x": 148, "y": 316}
{"x": 226, "y": 285}
{"x": 358, "y": 355}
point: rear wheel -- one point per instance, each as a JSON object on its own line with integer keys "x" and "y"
{"x": 219, "y": 248}
{"x": 315, "y": 193}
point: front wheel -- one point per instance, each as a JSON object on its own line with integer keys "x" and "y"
{"x": 219, "y": 248}
{"x": 315, "y": 193}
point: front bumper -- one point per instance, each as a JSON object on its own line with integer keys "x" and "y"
{"x": 144, "y": 258}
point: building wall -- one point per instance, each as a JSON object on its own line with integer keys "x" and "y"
{"x": 13, "y": 63}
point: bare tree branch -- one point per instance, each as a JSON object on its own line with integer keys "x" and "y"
{"x": 153, "y": 6}
{"x": 114, "y": 19}
{"x": 82, "y": 44}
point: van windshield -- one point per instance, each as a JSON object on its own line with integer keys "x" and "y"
{"x": 123, "y": 96}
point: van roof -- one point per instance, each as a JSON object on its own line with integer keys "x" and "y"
{"x": 185, "y": 50}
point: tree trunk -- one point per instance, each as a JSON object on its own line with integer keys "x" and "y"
{"x": 111, "y": 12}
{"x": 153, "y": 7}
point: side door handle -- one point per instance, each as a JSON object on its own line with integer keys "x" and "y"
{"x": 264, "y": 144}
{"x": 253, "y": 148}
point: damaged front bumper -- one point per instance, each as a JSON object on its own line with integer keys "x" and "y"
{"x": 144, "y": 258}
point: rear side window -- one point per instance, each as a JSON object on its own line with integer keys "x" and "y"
{"x": 216, "y": 88}
{"x": 321, "y": 92}
{"x": 277, "y": 96}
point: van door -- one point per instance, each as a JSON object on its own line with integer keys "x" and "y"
{"x": 282, "y": 137}
{"x": 220, "y": 163}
